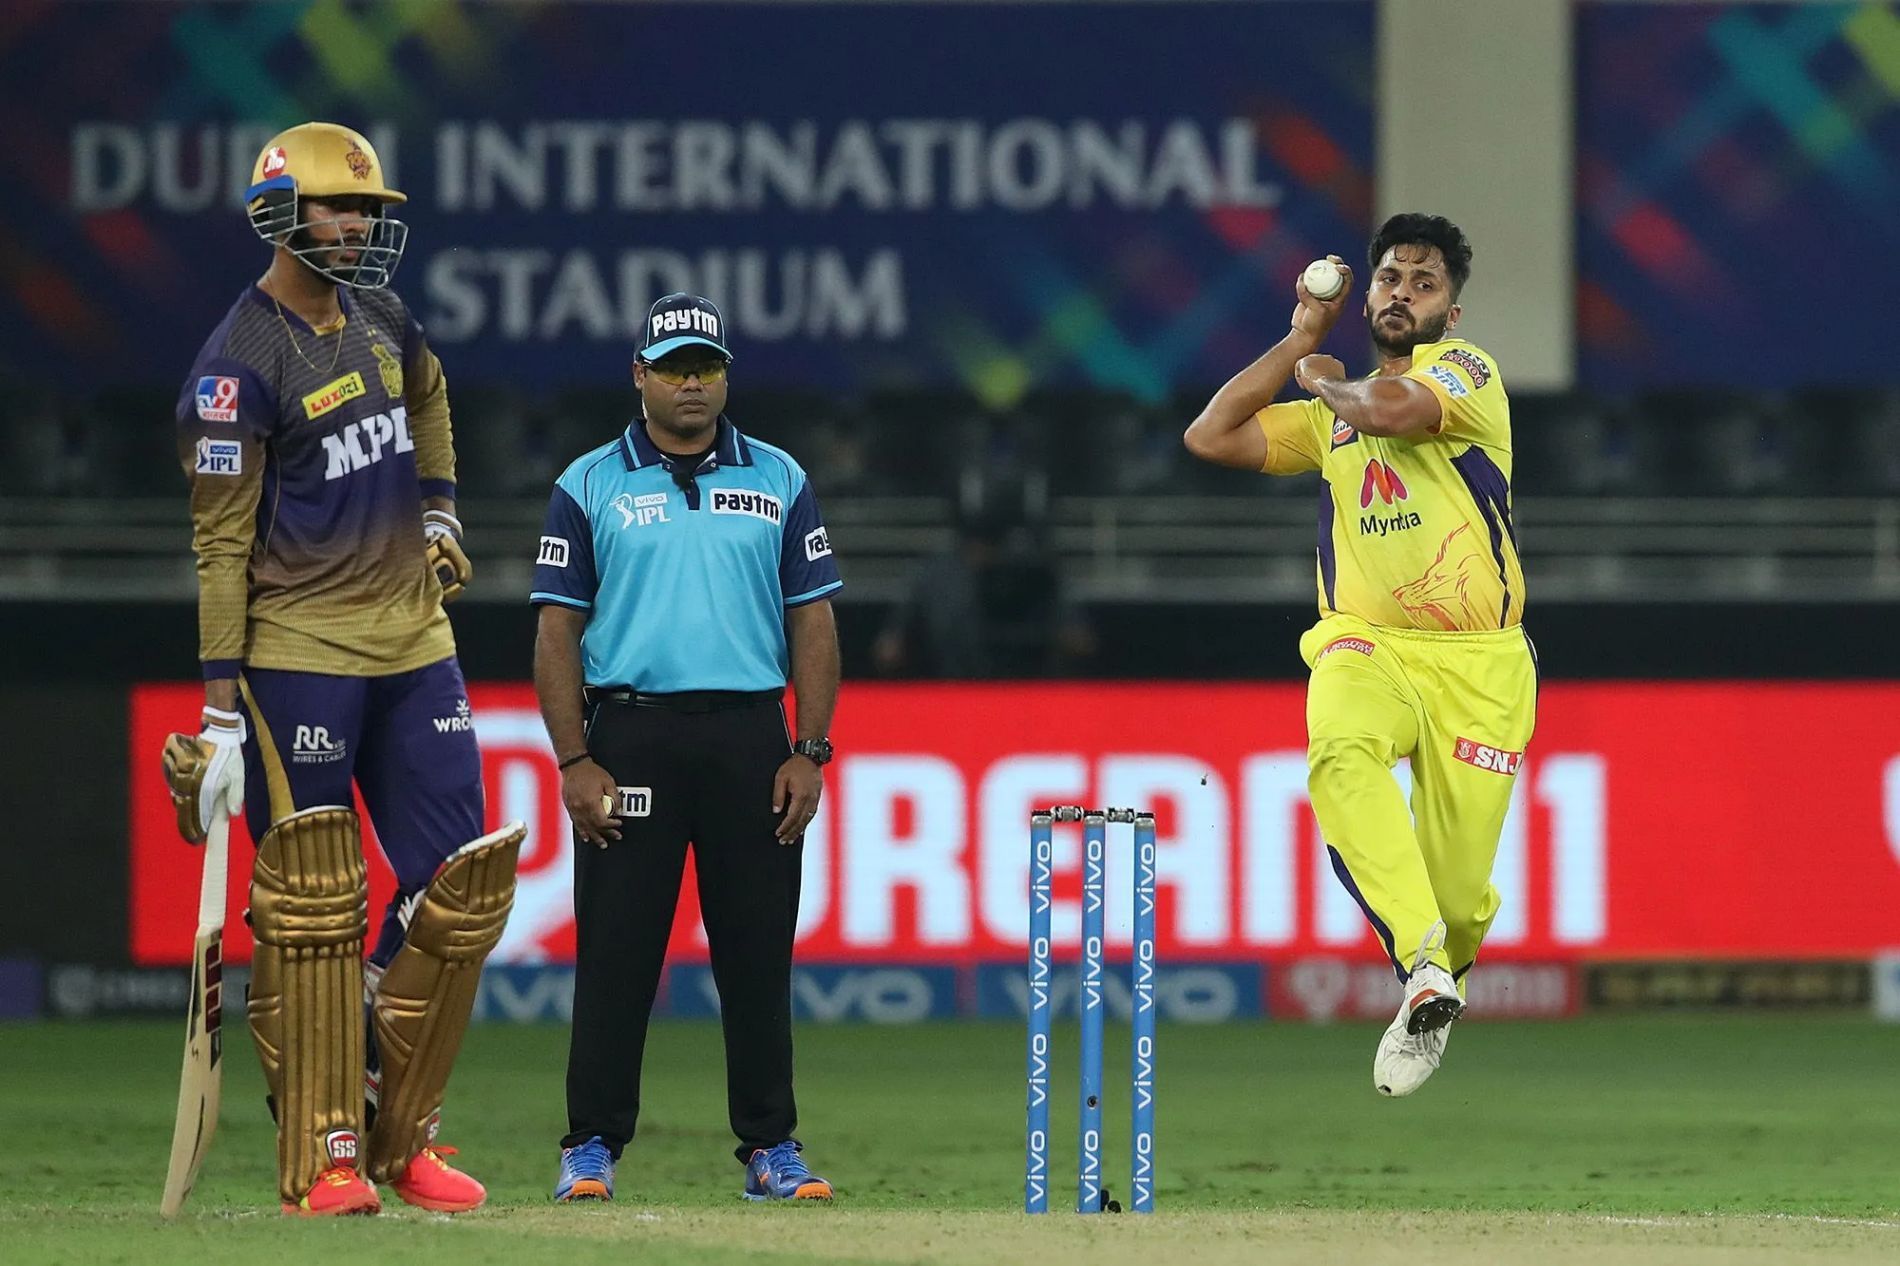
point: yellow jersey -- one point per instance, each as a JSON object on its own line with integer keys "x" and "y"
{"x": 1415, "y": 531}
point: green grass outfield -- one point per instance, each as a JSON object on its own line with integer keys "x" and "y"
{"x": 1675, "y": 1139}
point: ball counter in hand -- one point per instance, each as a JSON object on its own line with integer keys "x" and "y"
{"x": 1323, "y": 279}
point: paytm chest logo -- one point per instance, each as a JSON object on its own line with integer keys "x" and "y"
{"x": 757, "y": 505}
{"x": 642, "y": 510}
{"x": 367, "y": 442}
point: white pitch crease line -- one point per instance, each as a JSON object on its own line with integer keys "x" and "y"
{"x": 1811, "y": 1218}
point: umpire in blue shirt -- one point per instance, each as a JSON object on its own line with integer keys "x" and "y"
{"x": 683, "y": 576}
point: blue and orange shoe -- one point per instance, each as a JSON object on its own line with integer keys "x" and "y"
{"x": 338, "y": 1190}
{"x": 587, "y": 1173}
{"x": 781, "y": 1174}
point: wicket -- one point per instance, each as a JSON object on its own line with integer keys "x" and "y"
{"x": 1090, "y": 1197}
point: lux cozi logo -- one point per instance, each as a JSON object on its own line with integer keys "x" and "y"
{"x": 1382, "y": 482}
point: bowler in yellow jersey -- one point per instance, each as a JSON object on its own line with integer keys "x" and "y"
{"x": 1420, "y": 650}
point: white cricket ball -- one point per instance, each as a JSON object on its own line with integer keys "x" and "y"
{"x": 1323, "y": 279}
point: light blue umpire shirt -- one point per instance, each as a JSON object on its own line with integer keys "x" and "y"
{"x": 684, "y": 589}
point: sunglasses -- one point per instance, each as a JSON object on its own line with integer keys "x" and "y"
{"x": 675, "y": 373}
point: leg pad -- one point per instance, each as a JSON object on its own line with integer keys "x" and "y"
{"x": 310, "y": 915}
{"x": 423, "y": 1002}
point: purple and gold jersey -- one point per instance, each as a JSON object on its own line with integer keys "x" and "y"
{"x": 1415, "y": 531}
{"x": 309, "y": 453}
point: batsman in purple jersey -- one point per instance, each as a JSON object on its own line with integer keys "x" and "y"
{"x": 314, "y": 427}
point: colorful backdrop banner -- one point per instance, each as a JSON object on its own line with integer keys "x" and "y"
{"x": 990, "y": 196}
{"x": 1650, "y": 820}
{"x": 1738, "y": 170}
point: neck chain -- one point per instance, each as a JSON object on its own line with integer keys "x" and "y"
{"x": 296, "y": 347}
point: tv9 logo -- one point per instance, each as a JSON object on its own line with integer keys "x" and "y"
{"x": 217, "y": 398}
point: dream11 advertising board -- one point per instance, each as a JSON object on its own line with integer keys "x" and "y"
{"x": 1650, "y": 821}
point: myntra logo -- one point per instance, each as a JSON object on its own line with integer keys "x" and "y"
{"x": 1383, "y": 480}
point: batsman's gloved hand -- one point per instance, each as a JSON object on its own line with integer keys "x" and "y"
{"x": 442, "y": 543}
{"x": 205, "y": 772}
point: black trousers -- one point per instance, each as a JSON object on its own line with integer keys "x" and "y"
{"x": 709, "y": 775}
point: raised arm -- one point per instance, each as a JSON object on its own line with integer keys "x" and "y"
{"x": 1225, "y": 433}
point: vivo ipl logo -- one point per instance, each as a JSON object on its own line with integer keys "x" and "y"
{"x": 641, "y": 510}
{"x": 1092, "y": 944}
{"x": 1141, "y": 1178}
{"x": 1037, "y": 1176}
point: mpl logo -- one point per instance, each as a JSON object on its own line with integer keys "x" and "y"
{"x": 1382, "y": 480}
{"x": 312, "y": 745}
{"x": 461, "y": 723}
{"x": 364, "y": 443}
{"x": 217, "y": 398}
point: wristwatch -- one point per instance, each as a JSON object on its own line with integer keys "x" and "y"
{"x": 817, "y": 751}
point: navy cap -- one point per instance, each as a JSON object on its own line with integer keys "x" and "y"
{"x": 682, "y": 320}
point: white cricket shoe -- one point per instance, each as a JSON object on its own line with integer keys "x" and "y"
{"x": 1409, "y": 1052}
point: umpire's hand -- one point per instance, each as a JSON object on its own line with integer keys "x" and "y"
{"x": 795, "y": 791}
{"x": 588, "y": 791}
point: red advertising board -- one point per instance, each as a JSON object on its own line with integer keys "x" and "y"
{"x": 1651, "y": 820}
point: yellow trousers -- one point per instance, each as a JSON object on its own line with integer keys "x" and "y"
{"x": 1462, "y": 707}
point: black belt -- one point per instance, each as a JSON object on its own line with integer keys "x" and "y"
{"x": 685, "y": 700}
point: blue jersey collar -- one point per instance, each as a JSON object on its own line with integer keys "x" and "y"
{"x": 638, "y": 450}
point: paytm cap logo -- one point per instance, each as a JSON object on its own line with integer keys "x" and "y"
{"x": 682, "y": 320}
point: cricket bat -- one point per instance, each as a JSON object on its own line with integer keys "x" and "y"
{"x": 200, "y": 1082}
